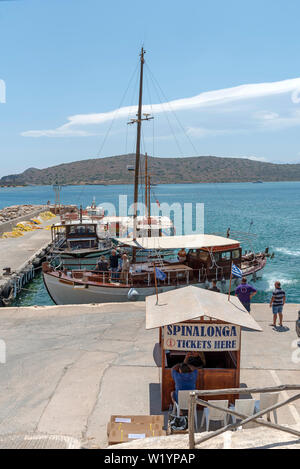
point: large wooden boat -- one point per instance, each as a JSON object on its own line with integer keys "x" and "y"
{"x": 208, "y": 257}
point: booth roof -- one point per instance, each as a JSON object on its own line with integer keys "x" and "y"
{"x": 177, "y": 242}
{"x": 192, "y": 302}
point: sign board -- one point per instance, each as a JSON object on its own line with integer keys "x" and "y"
{"x": 205, "y": 337}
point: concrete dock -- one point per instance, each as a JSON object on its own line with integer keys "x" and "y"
{"x": 68, "y": 368}
{"x": 17, "y": 253}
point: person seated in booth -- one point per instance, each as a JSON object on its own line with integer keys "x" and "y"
{"x": 185, "y": 377}
{"x": 182, "y": 256}
{"x": 196, "y": 359}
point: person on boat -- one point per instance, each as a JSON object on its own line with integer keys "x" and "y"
{"x": 185, "y": 377}
{"x": 245, "y": 293}
{"x": 125, "y": 268}
{"x": 102, "y": 265}
{"x": 114, "y": 263}
{"x": 277, "y": 302}
{"x": 181, "y": 256}
{"x": 214, "y": 286}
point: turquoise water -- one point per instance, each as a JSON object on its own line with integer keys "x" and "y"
{"x": 274, "y": 209}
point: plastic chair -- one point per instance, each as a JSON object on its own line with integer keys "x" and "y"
{"x": 215, "y": 414}
{"x": 243, "y": 406}
{"x": 183, "y": 404}
{"x": 267, "y": 400}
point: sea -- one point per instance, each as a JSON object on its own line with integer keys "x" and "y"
{"x": 264, "y": 215}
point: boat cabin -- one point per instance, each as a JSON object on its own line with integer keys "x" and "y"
{"x": 218, "y": 259}
{"x": 122, "y": 227}
{"x": 206, "y": 256}
{"x": 75, "y": 235}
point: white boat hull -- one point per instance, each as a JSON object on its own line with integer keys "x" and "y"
{"x": 63, "y": 293}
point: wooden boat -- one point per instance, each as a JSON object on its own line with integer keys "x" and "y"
{"x": 77, "y": 244}
{"x": 208, "y": 257}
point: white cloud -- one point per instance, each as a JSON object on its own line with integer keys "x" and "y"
{"x": 290, "y": 119}
{"x": 266, "y": 115}
{"x": 202, "y": 132}
{"x": 206, "y": 100}
{"x": 257, "y": 158}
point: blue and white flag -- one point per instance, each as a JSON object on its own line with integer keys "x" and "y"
{"x": 236, "y": 272}
{"x": 160, "y": 274}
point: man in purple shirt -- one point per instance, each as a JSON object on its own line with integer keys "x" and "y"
{"x": 245, "y": 293}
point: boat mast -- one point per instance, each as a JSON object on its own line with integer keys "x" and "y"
{"x": 146, "y": 184}
{"x": 138, "y": 143}
{"x": 138, "y": 121}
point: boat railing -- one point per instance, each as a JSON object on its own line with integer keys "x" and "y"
{"x": 145, "y": 278}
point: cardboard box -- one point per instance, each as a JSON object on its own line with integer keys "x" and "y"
{"x": 138, "y": 419}
{"x": 140, "y": 427}
{"x": 132, "y": 432}
{"x": 148, "y": 420}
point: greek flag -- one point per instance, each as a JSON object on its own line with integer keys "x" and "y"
{"x": 160, "y": 274}
{"x": 236, "y": 272}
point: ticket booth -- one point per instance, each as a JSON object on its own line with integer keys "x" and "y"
{"x": 196, "y": 320}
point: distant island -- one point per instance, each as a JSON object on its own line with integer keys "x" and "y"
{"x": 113, "y": 170}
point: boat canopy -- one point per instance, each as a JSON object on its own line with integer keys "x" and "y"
{"x": 176, "y": 242}
{"x": 187, "y": 303}
{"x": 142, "y": 222}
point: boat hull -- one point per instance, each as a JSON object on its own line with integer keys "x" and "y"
{"x": 65, "y": 292}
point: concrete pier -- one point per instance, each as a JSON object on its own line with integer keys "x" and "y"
{"x": 20, "y": 253}
{"x": 68, "y": 368}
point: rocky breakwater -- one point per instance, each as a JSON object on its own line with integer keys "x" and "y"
{"x": 8, "y": 214}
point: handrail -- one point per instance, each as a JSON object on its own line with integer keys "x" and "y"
{"x": 195, "y": 400}
{"x": 176, "y": 276}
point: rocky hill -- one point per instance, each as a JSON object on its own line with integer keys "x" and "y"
{"x": 113, "y": 170}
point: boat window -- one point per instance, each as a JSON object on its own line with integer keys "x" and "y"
{"x": 77, "y": 230}
{"x": 90, "y": 229}
{"x": 216, "y": 256}
{"x": 203, "y": 256}
{"x": 236, "y": 254}
{"x": 82, "y": 244}
{"x": 226, "y": 256}
{"x": 80, "y": 229}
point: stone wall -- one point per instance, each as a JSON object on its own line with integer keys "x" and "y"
{"x": 10, "y": 224}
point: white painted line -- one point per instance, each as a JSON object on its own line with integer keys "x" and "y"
{"x": 285, "y": 396}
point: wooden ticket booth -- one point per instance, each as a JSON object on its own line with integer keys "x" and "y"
{"x": 192, "y": 319}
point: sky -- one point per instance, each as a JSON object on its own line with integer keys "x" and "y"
{"x": 221, "y": 78}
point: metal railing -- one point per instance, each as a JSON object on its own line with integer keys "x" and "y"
{"x": 195, "y": 399}
{"x": 176, "y": 277}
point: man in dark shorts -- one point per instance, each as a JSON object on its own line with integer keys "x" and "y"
{"x": 245, "y": 293}
{"x": 277, "y": 302}
{"x": 114, "y": 263}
